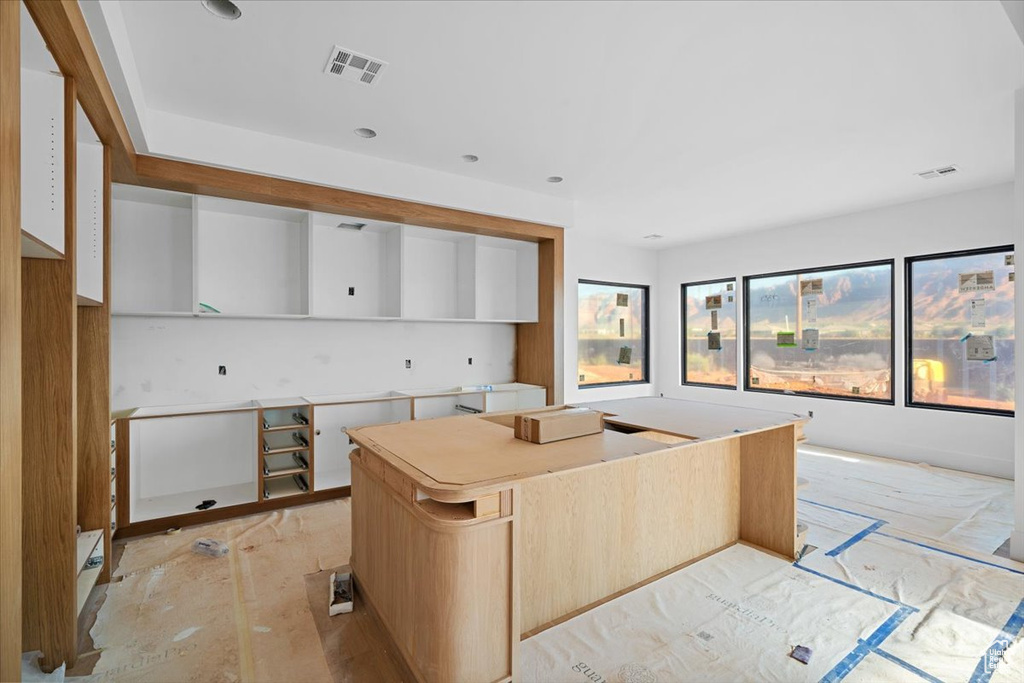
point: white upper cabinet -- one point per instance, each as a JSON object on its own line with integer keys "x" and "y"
{"x": 182, "y": 255}
{"x": 251, "y": 259}
{"x": 438, "y": 274}
{"x": 89, "y": 211}
{"x": 42, "y": 148}
{"x": 356, "y": 267}
{"x": 151, "y": 251}
{"x": 506, "y": 279}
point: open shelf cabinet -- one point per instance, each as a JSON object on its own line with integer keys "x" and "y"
{"x": 179, "y": 459}
{"x": 211, "y": 257}
{"x": 356, "y": 267}
{"x": 251, "y": 259}
{"x": 151, "y": 251}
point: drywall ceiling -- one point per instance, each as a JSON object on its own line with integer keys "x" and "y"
{"x": 687, "y": 119}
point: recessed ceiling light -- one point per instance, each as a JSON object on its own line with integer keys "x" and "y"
{"x": 653, "y": 236}
{"x": 555, "y": 179}
{"x": 365, "y": 132}
{"x": 225, "y": 9}
{"x": 470, "y": 158}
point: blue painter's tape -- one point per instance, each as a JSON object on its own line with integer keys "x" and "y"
{"x": 840, "y": 670}
{"x": 949, "y": 552}
{"x": 856, "y": 588}
{"x": 906, "y": 665}
{"x": 965, "y": 337}
{"x": 855, "y": 539}
{"x": 832, "y": 507}
{"x": 850, "y": 661}
{"x": 990, "y": 660}
{"x": 889, "y": 625}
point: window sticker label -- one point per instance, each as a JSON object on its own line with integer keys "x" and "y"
{"x": 728, "y": 287}
{"x": 981, "y": 347}
{"x": 810, "y": 311}
{"x": 810, "y": 338}
{"x": 714, "y": 341}
{"x": 786, "y": 339}
{"x": 978, "y": 313}
{"x": 712, "y": 302}
{"x": 622, "y": 299}
{"x": 625, "y": 355}
{"x": 983, "y": 281}
{"x": 812, "y": 287}
{"x": 714, "y": 320}
{"x": 1009, "y": 260}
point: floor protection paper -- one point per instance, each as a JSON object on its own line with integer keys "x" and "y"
{"x": 178, "y": 616}
{"x": 968, "y": 511}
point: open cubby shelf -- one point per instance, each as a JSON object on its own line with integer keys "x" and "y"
{"x": 190, "y": 255}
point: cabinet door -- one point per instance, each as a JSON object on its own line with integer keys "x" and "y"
{"x": 331, "y": 445}
{"x": 90, "y": 221}
{"x": 42, "y": 163}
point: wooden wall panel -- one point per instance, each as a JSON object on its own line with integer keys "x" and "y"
{"x": 592, "y": 532}
{"x": 768, "y": 490}
{"x": 94, "y": 398}
{"x": 540, "y": 346}
{"x": 10, "y": 342}
{"x": 49, "y": 306}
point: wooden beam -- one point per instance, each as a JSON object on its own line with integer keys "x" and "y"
{"x": 63, "y": 27}
{"x": 182, "y": 176}
{"x": 49, "y": 306}
{"x": 10, "y": 342}
{"x": 94, "y": 398}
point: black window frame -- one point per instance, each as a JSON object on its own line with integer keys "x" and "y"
{"x": 682, "y": 314}
{"x": 646, "y": 334}
{"x": 908, "y": 331}
{"x": 891, "y": 401}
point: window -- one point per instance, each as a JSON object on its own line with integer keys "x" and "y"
{"x": 823, "y": 332}
{"x": 709, "y": 333}
{"x": 960, "y": 331}
{"x": 613, "y": 334}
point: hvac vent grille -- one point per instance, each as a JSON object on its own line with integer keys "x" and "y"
{"x": 354, "y": 67}
{"x": 938, "y": 172}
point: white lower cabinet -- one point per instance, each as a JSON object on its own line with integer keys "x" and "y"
{"x": 332, "y": 445}
{"x": 180, "y": 461}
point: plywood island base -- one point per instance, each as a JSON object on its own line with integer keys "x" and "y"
{"x": 466, "y": 540}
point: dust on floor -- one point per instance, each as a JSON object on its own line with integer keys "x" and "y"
{"x": 173, "y": 615}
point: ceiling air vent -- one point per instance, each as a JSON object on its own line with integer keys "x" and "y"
{"x": 938, "y": 172}
{"x": 353, "y": 66}
{"x": 352, "y": 226}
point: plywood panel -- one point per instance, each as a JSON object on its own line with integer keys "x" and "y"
{"x": 49, "y": 333}
{"x": 768, "y": 490}
{"x": 94, "y": 398}
{"x": 588, "y": 533}
{"x": 446, "y": 598}
{"x": 10, "y": 343}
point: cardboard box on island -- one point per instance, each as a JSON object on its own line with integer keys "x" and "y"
{"x": 557, "y": 425}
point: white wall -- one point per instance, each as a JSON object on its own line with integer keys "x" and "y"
{"x": 588, "y": 260}
{"x": 172, "y": 361}
{"x": 978, "y": 218}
